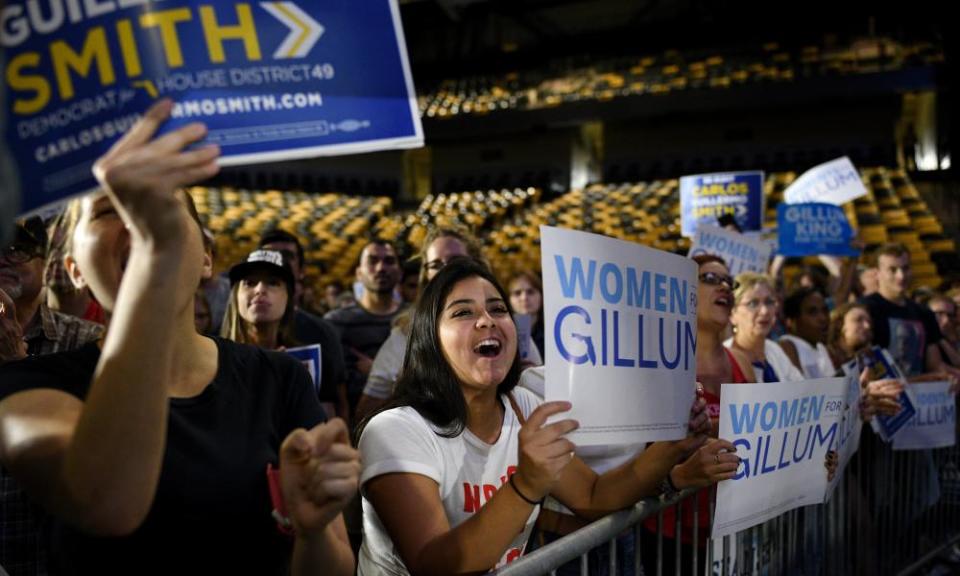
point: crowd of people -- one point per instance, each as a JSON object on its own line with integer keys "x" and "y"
{"x": 150, "y": 417}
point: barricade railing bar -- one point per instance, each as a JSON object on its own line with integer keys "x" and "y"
{"x": 893, "y": 512}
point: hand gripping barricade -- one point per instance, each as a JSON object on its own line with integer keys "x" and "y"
{"x": 893, "y": 512}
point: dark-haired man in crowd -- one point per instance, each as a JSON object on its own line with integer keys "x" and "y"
{"x": 308, "y": 328}
{"x": 366, "y": 325}
{"x": 28, "y": 326}
{"x": 904, "y": 327}
{"x": 910, "y": 333}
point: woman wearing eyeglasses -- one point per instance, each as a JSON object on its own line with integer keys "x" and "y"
{"x": 715, "y": 365}
{"x": 754, "y": 315}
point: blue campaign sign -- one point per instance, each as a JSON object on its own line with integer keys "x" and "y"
{"x": 882, "y": 366}
{"x": 272, "y": 80}
{"x": 310, "y": 357}
{"x": 815, "y": 228}
{"x": 708, "y": 197}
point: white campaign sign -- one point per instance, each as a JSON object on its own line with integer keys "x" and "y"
{"x": 621, "y": 329}
{"x": 835, "y": 182}
{"x": 935, "y": 423}
{"x": 848, "y": 434}
{"x": 782, "y": 432}
{"x": 741, "y": 252}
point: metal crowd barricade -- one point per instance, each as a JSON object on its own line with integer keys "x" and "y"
{"x": 894, "y": 512}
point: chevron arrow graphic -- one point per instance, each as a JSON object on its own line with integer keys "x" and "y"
{"x": 304, "y": 30}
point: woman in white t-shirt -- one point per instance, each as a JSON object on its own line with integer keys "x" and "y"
{"x": 440, "y": 246}
{"x": 456, "y": 465}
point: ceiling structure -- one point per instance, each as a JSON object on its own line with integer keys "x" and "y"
{"x": 456, "y": 37}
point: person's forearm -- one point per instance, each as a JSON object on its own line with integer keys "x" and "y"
{"x": 112, "y": 466}
{"x": 325, "y": 552}
{"x": 625, "y": 485}
{"x": 845, "y": 286}
{"x": 475, "y": 546}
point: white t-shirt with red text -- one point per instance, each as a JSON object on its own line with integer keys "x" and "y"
{"x": 467, "y": 470}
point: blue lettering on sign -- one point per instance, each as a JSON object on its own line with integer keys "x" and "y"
{"x": 771, "y": 415}
{"x": 671, "y": 364}
{"x": 772, "y": 452}
{"x": 606, "y": 272}
{"x": 660, "y": 293}
{"x": 589, "y": 355}
{"x": 638, "y": 294}
{"x": 617, "y": 360}
{"x": 933, "y": 415}
{"x": 576, "y": 340}
{"x": 618, "y": 285}
{"x": 570, "y": 282}
{"x": 725, "y": 246}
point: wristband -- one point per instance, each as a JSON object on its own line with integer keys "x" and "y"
{"x": 521, "y": 495}
{"x": 667, "y": 487}
{"x": 279, "y": 512}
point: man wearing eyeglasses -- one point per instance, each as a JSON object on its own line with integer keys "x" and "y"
{"x": 43, "y": 330}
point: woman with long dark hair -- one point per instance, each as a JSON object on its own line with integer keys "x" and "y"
{"x": 850, "y": 332}
{"x": 456, "y": 465}
{"x": 441, "y": 245}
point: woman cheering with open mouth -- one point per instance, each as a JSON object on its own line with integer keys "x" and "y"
{"x": 455, "y": 466}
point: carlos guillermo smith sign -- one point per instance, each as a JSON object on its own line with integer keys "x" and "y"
{"x": 621, "y": 327}
{"x": 271, "y": 80}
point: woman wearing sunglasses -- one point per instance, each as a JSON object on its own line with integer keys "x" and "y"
{"x": 715, "y": 366}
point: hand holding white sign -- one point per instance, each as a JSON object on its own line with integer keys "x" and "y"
{"x": 544, "y": 451}
{"x": 879, "y": 396}
{"x": 620, "y": 321}
{"x": 699, "y": 418}
{"x": 783, "y": 432}
{"x": 713, "y": 462}
{"x": 699, "y": 427}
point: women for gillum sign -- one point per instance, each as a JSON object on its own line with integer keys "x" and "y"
{"x": 620, "y": 336}
{"x": 782, "y": 433}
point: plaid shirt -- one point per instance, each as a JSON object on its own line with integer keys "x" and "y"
{"x": 25, "y": 525}
{"x": 57, "y": 332}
